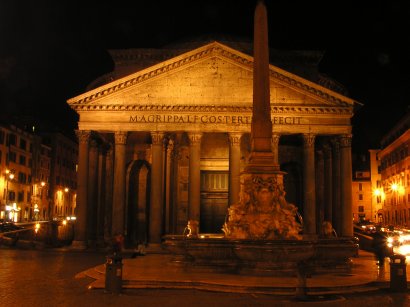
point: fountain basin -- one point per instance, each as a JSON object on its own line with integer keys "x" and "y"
{"x": 261, "y": 257}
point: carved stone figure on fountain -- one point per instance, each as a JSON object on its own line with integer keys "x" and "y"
{"x": 262, "y": 212}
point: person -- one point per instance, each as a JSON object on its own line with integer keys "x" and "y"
{"x": 140, "y": 250}
{"x": 328, "y": 230}
{"x": 117, "y": 244}
{"x": 380, "y": 248}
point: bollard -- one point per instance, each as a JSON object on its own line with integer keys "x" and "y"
{"x": 113, "y": 274}
{"x": 398, "y": 276}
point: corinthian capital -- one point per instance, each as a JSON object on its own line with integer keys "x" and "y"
{"x": 83, "y": 136}
{"x": 309, "y": 140}
{"x": 195, "y": 138}
{"x": 275, "y": 139}
{"x": 157, "y": 137}
{"x": 121, "y": 137}
{"x": 346, "y": 140}
{"x": 235, "y": 138}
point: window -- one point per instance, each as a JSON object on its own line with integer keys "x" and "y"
{"x": 12, "y": 157}
{"x": 360, "y": 196}
{"x": 23, "y": 144}
{"x": 11, "y": 139}
{"x": 22, "y": 178}
{"x": 361, "y": 208}
{"x": 22, "y": 160}
{"x": 12, "y": 196}
{"x": 360, "y": 187}
{"x": 20, "y": 196}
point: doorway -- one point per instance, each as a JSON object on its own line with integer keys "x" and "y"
{"x": 214, "y": 200}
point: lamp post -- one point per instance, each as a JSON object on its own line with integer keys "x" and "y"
{"x": 9, "y": 177}
{"x": 38, "y": 199}
{"x": 43, "y": 184}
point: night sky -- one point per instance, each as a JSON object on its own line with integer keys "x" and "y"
{"x": 51, "y": 50}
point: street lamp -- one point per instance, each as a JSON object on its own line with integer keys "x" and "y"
{"x": 38, "y": 199}
{"x": 9, "y": 177}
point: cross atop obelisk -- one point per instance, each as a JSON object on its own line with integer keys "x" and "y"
{"x": 261, "y": 158}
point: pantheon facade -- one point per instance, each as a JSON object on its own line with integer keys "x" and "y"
{"x": 164, "y": 137}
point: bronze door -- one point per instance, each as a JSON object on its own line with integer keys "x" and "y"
{"x": 214, "y": 201}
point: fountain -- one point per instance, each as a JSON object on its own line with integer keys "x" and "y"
{"x": 261, "y": 234}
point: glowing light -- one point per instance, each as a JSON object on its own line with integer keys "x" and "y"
{"x": 394, "y": 187}
{"x": 401, "y": 190}
{"x": 37, "y": 227}
{"x": 66, "y": 190}
{"x": 377, "y": 192}
{"x": 403, "y": 249}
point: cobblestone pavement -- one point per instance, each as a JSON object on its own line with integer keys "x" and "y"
{"x": 47, "y": 278}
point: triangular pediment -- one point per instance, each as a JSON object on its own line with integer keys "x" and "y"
{"x": 212, "y": 75}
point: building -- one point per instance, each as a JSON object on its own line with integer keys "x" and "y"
{"x": 38, "y": 175}
{"x": 395, "y": 174}
{"x": 377, "y": 194}
{"x": 164, "y": 137}
{"x": 41, "y": 167}
{"x": 16, "y": 148}
{"x": 63, "y": 175}
{"x": 367, "y": 188}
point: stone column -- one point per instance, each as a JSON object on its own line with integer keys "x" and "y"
{"x": 80, "y": 233}
{"x": 168, "y": 186}
{"x": 155, "y": 223}
{"x": 346, "y": 184}
{"x": 119, "y": 183}
{"x": 194, "y": 196}
{"x": 109, "y": 185}
{"x": 309, "y": 208}
{"x": 320, "y": 166}
{"x": 336, "y": 209}
{"x": 275, "y": 148}
{"x": 327, "y": 155}
{"x": 92, "y": 193}
{"x": 234, "y": 167}
{"x": 101, "y": 196}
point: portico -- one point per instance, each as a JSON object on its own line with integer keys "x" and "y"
{"x": 172, "y": 139}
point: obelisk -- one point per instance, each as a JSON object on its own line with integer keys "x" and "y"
{"x": 261, "y": 158}
{"x": 262, "y": 212}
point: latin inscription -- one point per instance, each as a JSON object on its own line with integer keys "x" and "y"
{"x": 209, "y": 119}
